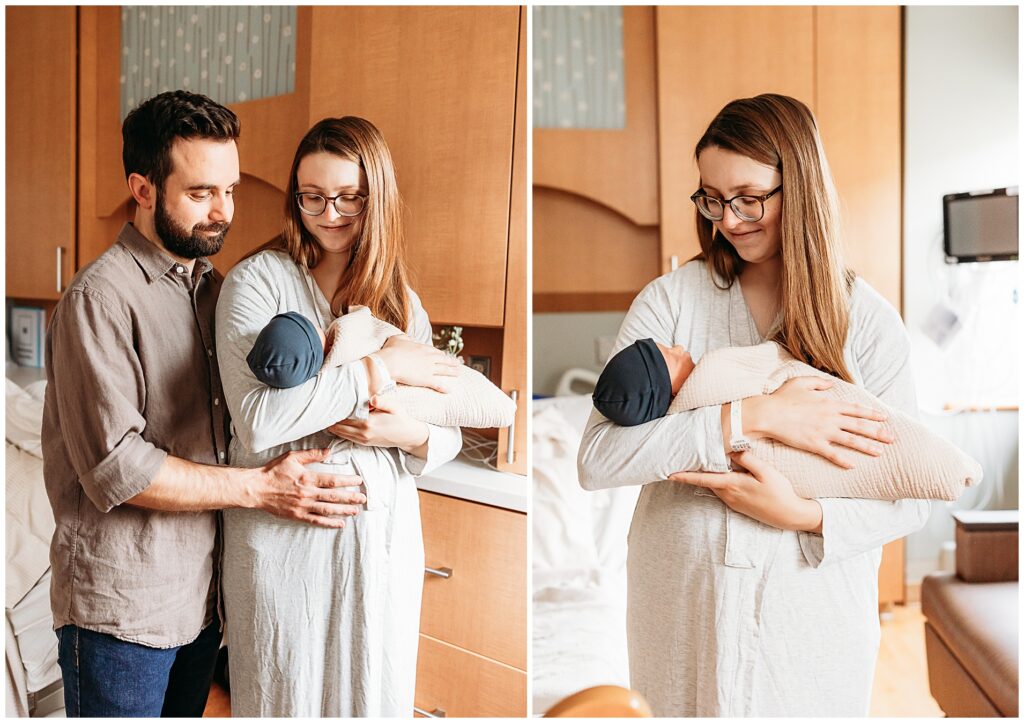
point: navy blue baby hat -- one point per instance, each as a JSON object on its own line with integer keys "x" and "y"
{"x": 287, "y": 352}
{"x": 635, "y": 386}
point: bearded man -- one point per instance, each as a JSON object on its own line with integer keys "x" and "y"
{"x": 135, "y": 432}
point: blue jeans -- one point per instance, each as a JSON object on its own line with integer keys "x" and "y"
{"x": 108, "y": 677}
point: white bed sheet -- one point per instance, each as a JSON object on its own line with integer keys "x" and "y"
{"x": 29, "y": 524}
{"x": 579, "y": 563}
{"x": 579, "y": 637}
{"x": 29, "y": 519}
{"x": 31, "y": 646}
{"x": 32, "y": 623}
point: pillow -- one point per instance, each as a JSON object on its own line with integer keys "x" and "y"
{"x": 472, "y": 400}
{"x": 919, "y": 464}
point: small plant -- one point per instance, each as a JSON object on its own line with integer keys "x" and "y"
{"x": 449, "y": 340}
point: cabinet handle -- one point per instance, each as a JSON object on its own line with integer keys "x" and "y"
{"x": 510, "y": 455}
{"x": 60, "y": 269}
{"x": 445, "y": 572}
{"x": 673, "y": 262}
{"x": 436, "y": 713}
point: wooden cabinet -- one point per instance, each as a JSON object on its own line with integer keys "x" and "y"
{"x": 595, "y": 194}
{"x": 859, "y": 106}
{"x": 41, "y": 132}
{"x": 472, "y": 659}
{"x": 440, "y": 83}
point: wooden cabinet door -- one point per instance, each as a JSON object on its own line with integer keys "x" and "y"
{"x": 512, "y": 440}
{"x": 440, "y": 83}
{"x": 708, "y": 56}
{"x": 859, "y": 107}
{"x": 41, "y": 90}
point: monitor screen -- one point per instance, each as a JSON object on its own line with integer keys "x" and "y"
{"x": 981, "y": 226}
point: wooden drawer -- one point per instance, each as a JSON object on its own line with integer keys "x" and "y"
{"x": 482, "y": 606}
{"x": 465, "y": 685}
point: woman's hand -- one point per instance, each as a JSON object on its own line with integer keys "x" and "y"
{"x": 798, "y": 414}
{"x": 387, "y": 426}
{"x": 762, "y": 492}
{"x": 418, "y": 365}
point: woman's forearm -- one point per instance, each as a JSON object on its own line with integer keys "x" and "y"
{"x": 615, "y": 456}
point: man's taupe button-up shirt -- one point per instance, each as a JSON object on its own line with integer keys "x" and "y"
{"x": 132, "y": 377}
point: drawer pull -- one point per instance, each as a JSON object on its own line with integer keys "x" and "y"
{"x": 510, "y": 455}
{"x": 436, "y": 713}
{"x": 445, "y": 572}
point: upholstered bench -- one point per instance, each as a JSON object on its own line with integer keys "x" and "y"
{"x": 971, "y": 626}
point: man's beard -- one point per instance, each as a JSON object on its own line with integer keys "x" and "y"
{"x": 186, "y": 244}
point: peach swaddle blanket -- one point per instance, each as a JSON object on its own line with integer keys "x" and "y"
{"x": 472, "y": 400}
{"x": 918, "y": 464}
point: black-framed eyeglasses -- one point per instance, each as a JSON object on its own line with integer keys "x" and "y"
{"x": 746, "y": 208}
{"x": 346, "y": 204}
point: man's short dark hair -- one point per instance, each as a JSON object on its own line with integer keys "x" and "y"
{"x": 150, "y": 130}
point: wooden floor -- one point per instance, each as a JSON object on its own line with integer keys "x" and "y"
{"x": 218, "y": 705}
{"x": 901, "y": 678}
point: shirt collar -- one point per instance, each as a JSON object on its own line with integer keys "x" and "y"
{"x": 154, "y": 262}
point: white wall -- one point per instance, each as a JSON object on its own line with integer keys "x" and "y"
{"x": 565, "y": 340}
{"x": 960, "y": 134}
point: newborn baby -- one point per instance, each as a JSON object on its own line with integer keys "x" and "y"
{"x": 645, "y": 381}
{"x": 291, "y": 350}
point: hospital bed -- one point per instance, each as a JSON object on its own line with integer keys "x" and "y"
{"x": 33, "y": 676}
{"x": 579, "y": 558}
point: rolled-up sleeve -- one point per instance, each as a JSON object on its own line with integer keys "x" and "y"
{"x": 102, "y": 393}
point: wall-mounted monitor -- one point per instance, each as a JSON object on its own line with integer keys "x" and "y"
{"x": 980, "y": 225}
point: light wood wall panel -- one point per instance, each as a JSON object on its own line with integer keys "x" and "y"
{"x": 587, "y": 254}
{"x": 859, "y": 111}
{"x": 447, "y": 111}
{"x": 618, "y": 168}
{"x": 259, "y": 211}
{"x": 40, "y": 179}
{"x": 708, "y": 56}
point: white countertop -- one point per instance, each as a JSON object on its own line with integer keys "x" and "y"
{"x": 474, "y": 482}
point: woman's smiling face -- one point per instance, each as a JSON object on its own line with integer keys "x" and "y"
{"x": 331, "y": 175}
{"x": 725, "y": 174}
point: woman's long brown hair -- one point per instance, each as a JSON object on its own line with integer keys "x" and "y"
{"x": 376, "y": 276}
{"x": 781, "y": 132}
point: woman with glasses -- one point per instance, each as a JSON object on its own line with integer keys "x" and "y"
{"x": 323, "y": 611}
{"x": 743, "y": 598}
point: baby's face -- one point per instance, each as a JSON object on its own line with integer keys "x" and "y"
{"x": 679, "y": 362}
